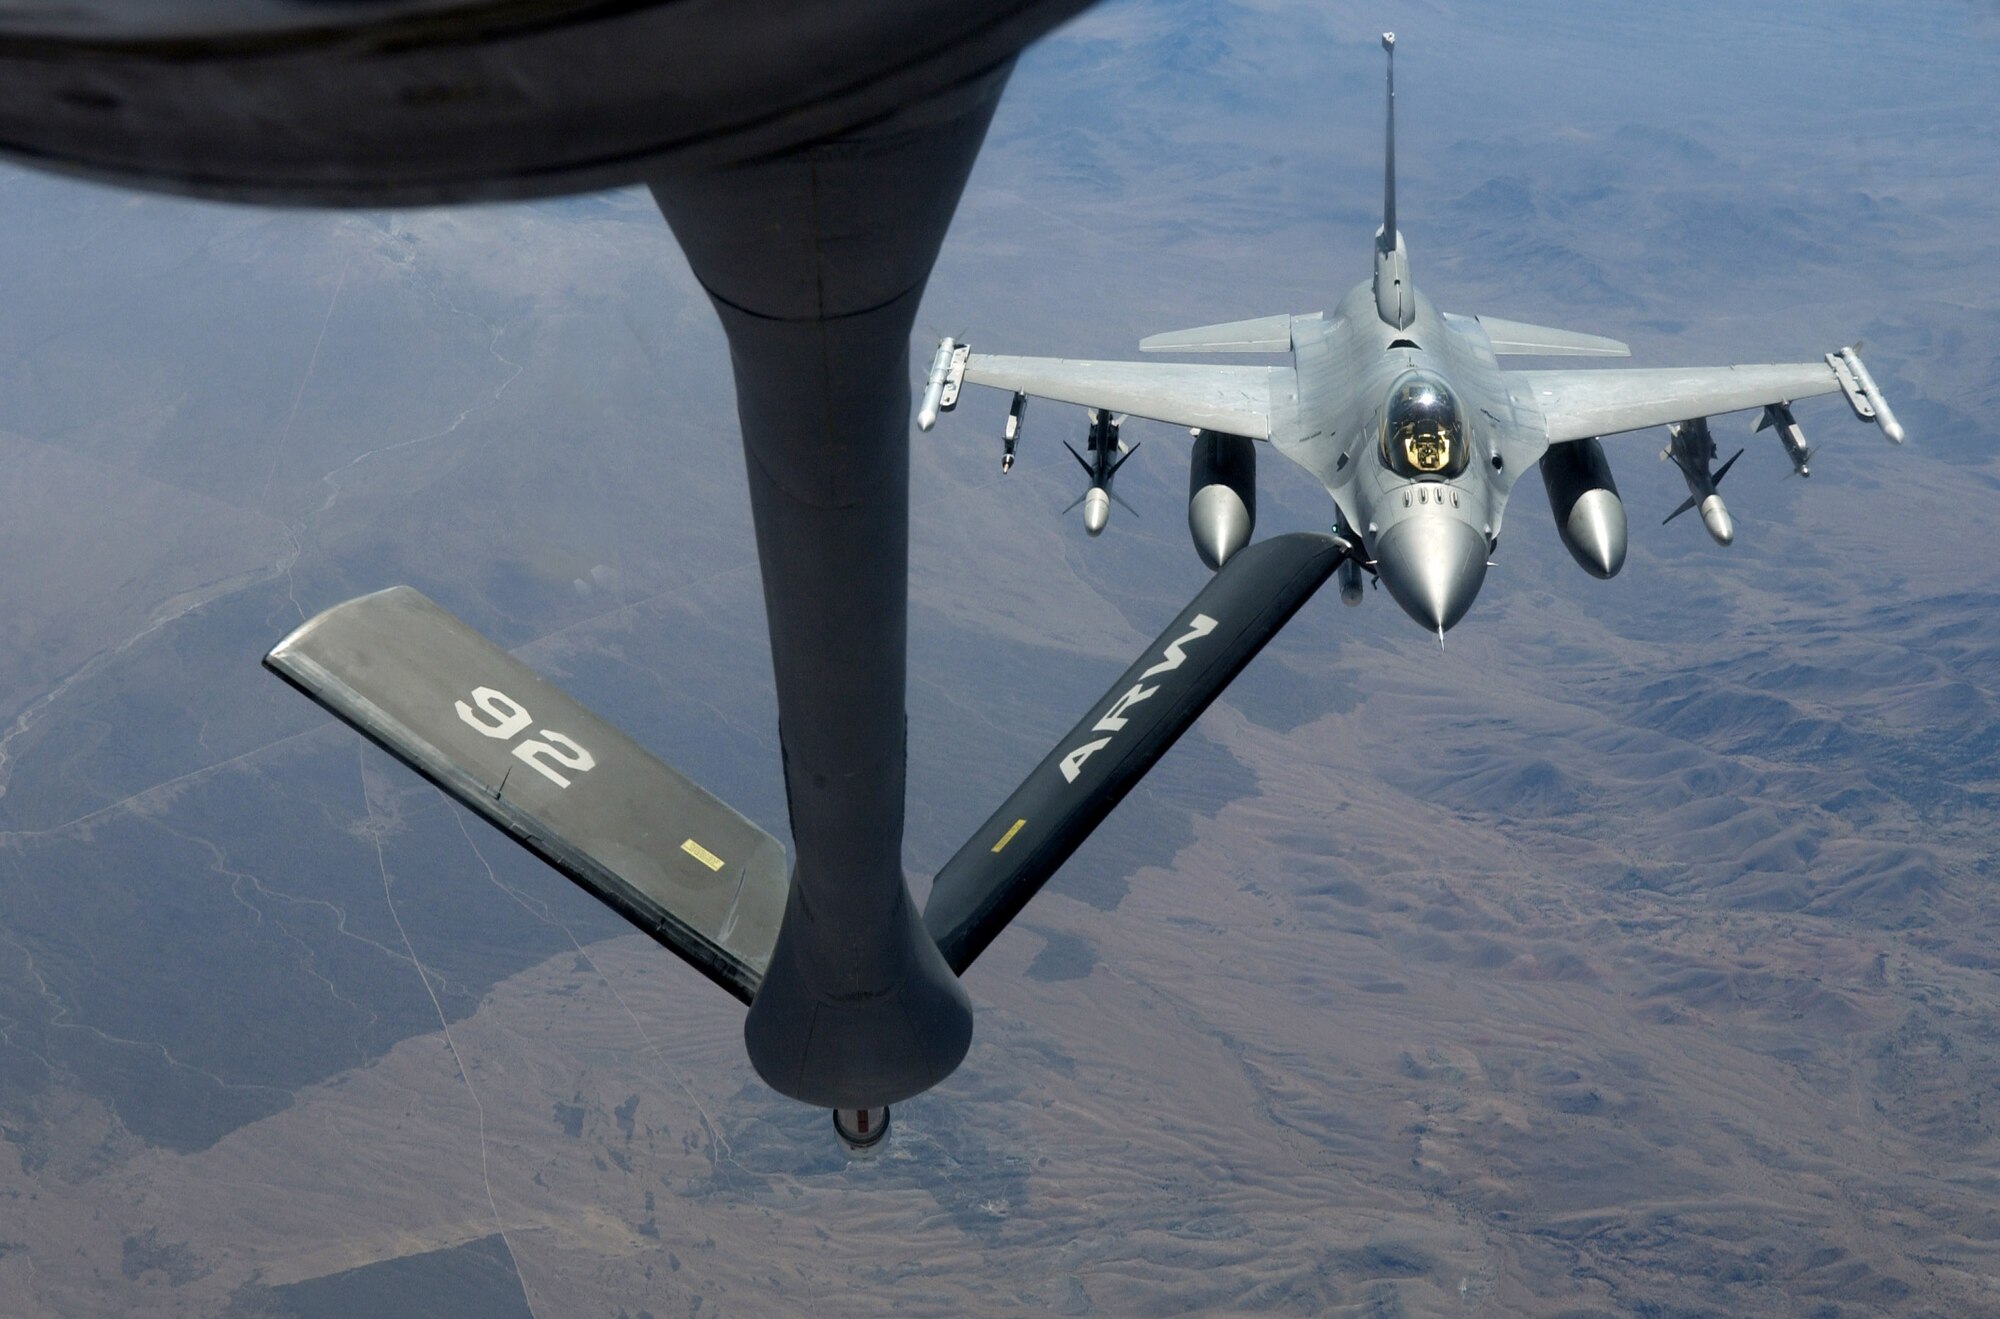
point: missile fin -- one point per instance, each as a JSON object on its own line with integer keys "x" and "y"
{"x": 1724, "y": 469}
{"x": 1081, "y": 461}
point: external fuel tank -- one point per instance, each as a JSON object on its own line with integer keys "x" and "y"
{"x": 1590, "y": 518}
{"x": 1222, "y": 495}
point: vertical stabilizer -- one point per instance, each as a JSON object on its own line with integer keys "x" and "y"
{"x": 1392, "y": 263}
{"x": 1387, "y": 238}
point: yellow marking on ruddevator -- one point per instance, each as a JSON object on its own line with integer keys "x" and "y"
{"x": 702, "y": 854}
{"x": 1008, "y": 837}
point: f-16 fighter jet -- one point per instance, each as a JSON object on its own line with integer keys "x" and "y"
{"x": 1405, "y": 415}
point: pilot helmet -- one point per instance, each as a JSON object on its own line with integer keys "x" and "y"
{"x": 1423, "y": 431}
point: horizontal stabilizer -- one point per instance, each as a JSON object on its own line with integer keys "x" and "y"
{"x": 634, "y": 833}
{"x": 1519, "y": 339}
{"x": 1007, "y": 860}
{"x": 1266, "y": 334}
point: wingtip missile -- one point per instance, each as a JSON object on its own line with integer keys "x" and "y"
{"x": 1862, "y": 393}
{"x": 1892, "y": 430}
{"x": 942, "y": 385}
{"x": 927, "y": 411}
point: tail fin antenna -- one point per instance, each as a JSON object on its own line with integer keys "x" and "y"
{"x": 1388, "y": 238}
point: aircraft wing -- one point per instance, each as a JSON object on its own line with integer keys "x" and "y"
{"x": 1236, "y": 400}
{"x": 1580, "y": 403}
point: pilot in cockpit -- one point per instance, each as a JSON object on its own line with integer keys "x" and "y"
{"x": 1423, "y": 434}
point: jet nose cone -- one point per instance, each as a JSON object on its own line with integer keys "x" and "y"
{"x": 1433, "y": 566}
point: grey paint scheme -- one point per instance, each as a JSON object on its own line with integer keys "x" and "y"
{"x": 1222, "y": 495}
{"x": 1266, "y": 334}
{"x": 1583, "y": 498}
{"x": 1326, "y": 412}
{"x": 1519, "y": 339}
{"x": 1427, "y": 538}
{"x": 634, "y": 833}
{"x": 1237, "y": 400}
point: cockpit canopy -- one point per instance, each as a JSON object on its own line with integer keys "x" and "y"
{"x": 1424, "y": 432}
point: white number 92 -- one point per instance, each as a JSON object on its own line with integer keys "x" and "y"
{"x": 500, "y": 716}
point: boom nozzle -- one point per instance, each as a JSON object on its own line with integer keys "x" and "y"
{"x": 861, "y": 1130}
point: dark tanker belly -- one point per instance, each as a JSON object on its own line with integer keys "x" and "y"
{"x": 404, "y": 102}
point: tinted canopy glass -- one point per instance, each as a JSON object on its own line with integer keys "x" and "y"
{"x": 1423, "y": 434}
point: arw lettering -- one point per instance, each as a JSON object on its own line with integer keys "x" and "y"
{"x": 1115, "y": 718}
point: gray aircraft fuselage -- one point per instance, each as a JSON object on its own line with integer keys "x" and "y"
{"x": 1427, "y": 534}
